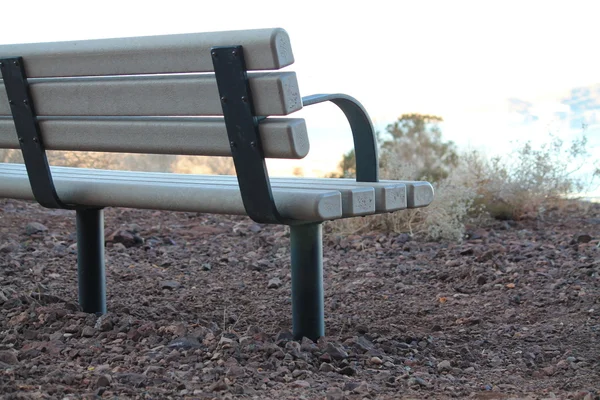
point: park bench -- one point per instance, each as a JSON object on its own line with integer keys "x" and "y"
{"x": 184, "y": 94}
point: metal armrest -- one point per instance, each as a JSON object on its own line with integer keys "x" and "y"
{"x": 365, "y": 141}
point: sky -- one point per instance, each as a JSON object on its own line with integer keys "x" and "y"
{"x": 498, "y": 72}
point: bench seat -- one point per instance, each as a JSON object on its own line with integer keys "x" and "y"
{"x": 297, "y": 198}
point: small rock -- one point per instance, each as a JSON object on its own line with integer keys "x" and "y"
{"x": 35, "y": 227}
{"x": 362, "y": 329}
{"x": 549, "y": 371}
{"x": 104, "y": 323}
{"x": 235, "y": 371}
{"x": 225, "y": 340}
{"x": 8, "y": 357}
{"x": 584, "y": 239}
{"x": 417, "y": 381}
{"x": 135, "y": 380}
{"x": 186, "y": 342}
{"x": 308, "y": 345}
{"x": 293, "y": 348}
{"x": 477, "y": 234}
{"x": 284, "y": 337}
{"x": 301, "y": 384}
{"x": 9, "y": 247}
{"x": 274, "y": 283}
{"x": 336, "y": 351}
{"x": 255, "y": 228}
{"x": 376, "y": 361}
{"x": 206, "y": 267}
{"x": 72, "y": 329}
{"x": 403, "y": 238}
{"x": 363, "y": 344}
{"x": 362, "y": 388}
{"x": 103, "y": 381}
{"x": 29, "y": 334}
{"x": 173, "y": 356}
{"x": 119, "y": 247}
{"x": 348, "y": 371}
{"x": 126, "y": 237}
{"x": 218, "y": 386}
{"x": 351, "y": 385}
{"x": 444, "y": 366}
{"x": 299, "y": 373}
{"x": 171, "y": 285}
{"x": 88, "y": 331}
{"x": 326, "y": 367}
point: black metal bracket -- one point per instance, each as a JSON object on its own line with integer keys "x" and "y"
{"x": 365, "y": 141}
{"x": 244, "y": 138}
{"x": 30, "y": 139}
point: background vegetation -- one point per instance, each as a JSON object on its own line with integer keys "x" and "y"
{"x": 469, "y": 187}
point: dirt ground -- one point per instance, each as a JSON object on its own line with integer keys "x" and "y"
{"x": 199, "y": 308}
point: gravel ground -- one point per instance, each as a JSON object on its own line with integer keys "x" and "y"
{"x": 199, "y": 308}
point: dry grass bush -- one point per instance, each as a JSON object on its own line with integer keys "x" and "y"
{"x": 131, "y": 162}
{"x": 525, "y": 184}
{"x": 204, "y": 165}
{"x": 442, "y": 220}
{"x": 530, "y": 180}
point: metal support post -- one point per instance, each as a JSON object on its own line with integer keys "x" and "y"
{"x": 307, "y": 281}
{"x": 90, "y": 260}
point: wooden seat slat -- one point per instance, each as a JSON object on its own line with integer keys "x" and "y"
{"x": 294, "y": 203}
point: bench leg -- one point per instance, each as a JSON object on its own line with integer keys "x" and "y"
{"x": 90, "y": 260}
{"x": 307, "y": 281}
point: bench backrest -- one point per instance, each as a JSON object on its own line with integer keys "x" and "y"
{"x": 155, "y": 94}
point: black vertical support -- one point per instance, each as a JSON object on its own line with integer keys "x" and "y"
{"x": 28, "y": 132}
{"x": 243, "y": 134}
{"x": 90, "y": 260}
{"x": 307, "y": 281}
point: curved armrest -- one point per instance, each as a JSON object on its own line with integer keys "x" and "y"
{"x": 365, "y": 142}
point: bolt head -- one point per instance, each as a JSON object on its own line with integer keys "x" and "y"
{"x": 224, "y": 99}
{"x": 234, "y": 53}
{"x": 16, "y": 63}
{"x": 244, "y": 99}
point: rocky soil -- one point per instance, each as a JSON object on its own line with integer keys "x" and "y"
{"x": 199, "y": 308}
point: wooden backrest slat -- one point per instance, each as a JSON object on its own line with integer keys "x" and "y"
{"x": 264, "y": 49}
{"x": 281, "y": 137}
{"x": 274, "y": 93}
